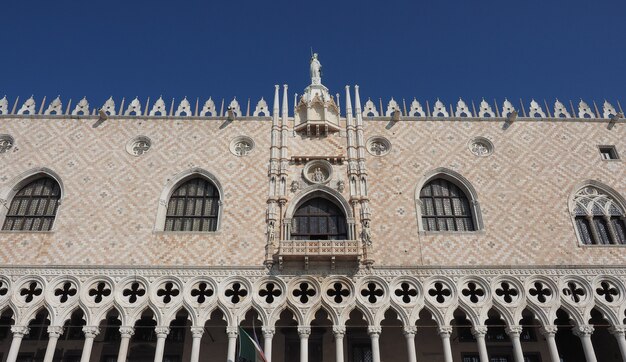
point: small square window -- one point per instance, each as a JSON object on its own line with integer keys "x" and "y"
{"x": 608, "y": 153}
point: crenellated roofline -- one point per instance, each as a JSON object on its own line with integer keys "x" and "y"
{"x": 415, "y": 110}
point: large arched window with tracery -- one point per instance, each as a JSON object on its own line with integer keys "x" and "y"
{"x": 319, "y": 219}
{"x": 193, "y": 206}
{"x": 445, "y": 207}
{"x": 34, "y": 206}
{"x": 599, "y": 218}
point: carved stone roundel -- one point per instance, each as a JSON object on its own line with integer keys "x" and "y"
{"x": 138, "y": 145}
{"x": 6, "y": 143}
{"x": 241, "y": 146}
{"x": 481, "y": 147}
{"x": 318, "y": 171}
{"x": 378, "y": 146}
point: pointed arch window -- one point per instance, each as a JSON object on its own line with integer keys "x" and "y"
{"x": 445, "y": 207}
{"x": 34, "y": 206}
{"x": 319, "y": 219}
{"x": 193, "y": 206}
{"x": 598, "y": 217}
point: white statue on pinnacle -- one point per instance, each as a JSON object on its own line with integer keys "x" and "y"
{"x": 316, "y": 70}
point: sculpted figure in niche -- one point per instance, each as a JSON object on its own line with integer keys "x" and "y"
{"x": 318, "y": 175}
{"x": 270, "y": 231}
{"x": 366, "y": 234}
{"x": 316, "y": 70}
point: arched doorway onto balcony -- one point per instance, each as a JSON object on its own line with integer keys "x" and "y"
{"x": 319, "y": 218}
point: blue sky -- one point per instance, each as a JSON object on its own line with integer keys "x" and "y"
{"x": 405, "y": 49}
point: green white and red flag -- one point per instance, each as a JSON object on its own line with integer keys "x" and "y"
{"x": 249, "y": 348}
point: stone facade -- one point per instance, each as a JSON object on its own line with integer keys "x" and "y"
{"x": 117, "y": 168}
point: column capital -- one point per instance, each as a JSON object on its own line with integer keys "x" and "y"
{"x": 161, "y": 331}
{"x": 127, "y": 331}
{"x": 618, "y": 330}
{"x": 268, "y": 331}
{"x": 339, "y": 331}
{"x": 583, "y": 330}
{"x": 20, "y": 331}
{"x": 409, "y": 331}
{"x": 479, "y": 331}
{"x": 374, "y": 331}
{"x": 91, "y": 331}
{"x": 549, "y": 330}
{"x": 232, "y": 331}
{"x": 444, "y": 331}
{"x": 514, "y": 330}
{"x": 304, "y": 331}
{"x": 197, "y": 332}
{"x": 55, "y": 331}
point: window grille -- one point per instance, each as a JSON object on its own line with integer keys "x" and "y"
{"x": 608, "y": 153}
{"x": 319, "y": 219}
{"x": 193, "y": 206}
{"x": 34, "y": 206}
{"x": 445, "y": 207}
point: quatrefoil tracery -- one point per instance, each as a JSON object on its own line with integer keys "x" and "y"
{"x": 134, "y": 292}
{"x": 473, "y": 292}
{"x": 440, "y": 292}
{"x": 507, "y": 292}
{"x": 372, "y": 292}
{"x": 65, "y": 292}
{"x": 608, "y": 291}
{"x": 29, "y": 293}
{"x": 540, "y": 291}
{"x": 100, "y": 292}
{"x": 574, "y": 291}
{"x": 236, "y": 293}
{"x": 406, "y": 291}
{"x": 303, "y": 292}
{"x": 202, "y": 292}
{"x": 3, "y": 288}
{"x": 168, "y": 292}
{"x": 338, "y": 292}
{"x": 270, "y": 292}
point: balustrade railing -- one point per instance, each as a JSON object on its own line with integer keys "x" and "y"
{"x": 319, "y": 247}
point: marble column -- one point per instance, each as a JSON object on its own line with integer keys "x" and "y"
{"x": 409, "y": 334}
{"x": 549, "y": 331}
{"x": 584, "y": 332}
{"x": 479, "y": 333}
{"x": 374, "y": 332}
{"x": 18, "y": 334}
{"x": 514, "y": 333}
{"x": 54, "y": 332}
{"x": 90, "y": 334}
{"x": 161, "y": 334}
{"x": 339, "y": 332}
{"x": 304, "y": 332}
{"x": 444, "y": 333}
{"x": 196, "y": 338}
{"x": 125, "y": 334}
{"x": 618, "y": 332}
{"x": 268, "y": 335}
{"x": 232, "y": 333}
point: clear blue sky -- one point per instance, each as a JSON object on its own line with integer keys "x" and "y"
{"x": 427, "y": 48}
